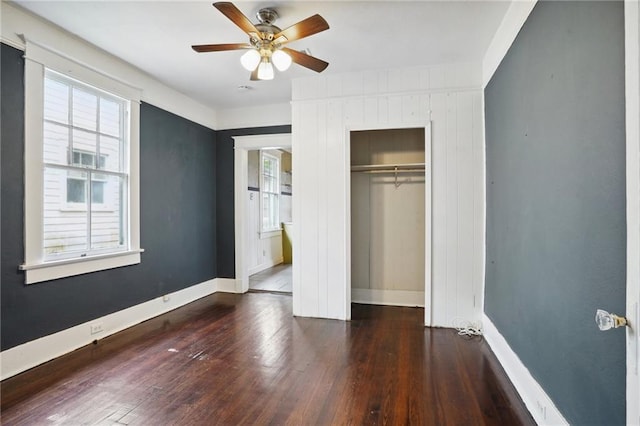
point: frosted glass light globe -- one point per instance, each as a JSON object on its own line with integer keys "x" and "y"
{"x": 265, "y": 71}
{"x": 281, "y": 60}
{"x": 250, "y": 60}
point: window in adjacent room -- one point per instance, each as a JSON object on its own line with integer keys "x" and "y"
{"x": 270, "y": 191}
{"x": 82, "y": 157}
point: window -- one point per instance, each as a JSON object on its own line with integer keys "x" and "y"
{"x": 270, "y": 191}
{"x": 81, "y": 161}
{"x": 82, "y": 128}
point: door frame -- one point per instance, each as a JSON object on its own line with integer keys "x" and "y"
{"x": 428, "y": 239}
{"x": 242, "y": 145}
{"x": 632, "y": 111}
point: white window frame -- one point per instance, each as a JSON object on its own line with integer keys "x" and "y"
{"x": 36, "y": 268}
{"x": 269, "y": 232}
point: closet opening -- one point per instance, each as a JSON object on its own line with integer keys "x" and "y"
{"x": 390, "y": 207}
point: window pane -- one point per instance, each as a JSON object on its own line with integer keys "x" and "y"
{"x": 273, "y": 218}
{"x": 111, "y": 151}
{"x": 110, "y": 116}
{"x": 265, "y": 211}
{"x": 270, "y": 191}
{"x": 76, "y": 190}
{"x": 56, "y": 101}
{"x": 97, "y": 192}
{"x": 87, "y": 160}
{"x": 270, "y": 211}
{"x": 55, "y": 147}
{"x": 271, "y": 184}
{"x": 85, "y": 109}
{"x": 108, "y": 221}
{"x": 65, "y": 222}
{"x": 85, "y": 143}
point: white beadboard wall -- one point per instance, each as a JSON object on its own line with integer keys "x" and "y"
{"x": 324, "y": 110}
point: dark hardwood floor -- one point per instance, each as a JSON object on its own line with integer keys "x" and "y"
{"x": 243, "y": 359}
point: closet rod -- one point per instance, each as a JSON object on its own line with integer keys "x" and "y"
{"x": 389, "y": 171}
{"x": 385, "y": 168}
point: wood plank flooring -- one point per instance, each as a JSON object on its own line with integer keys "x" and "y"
{"x": 232, "y": 359}
{"x": 276, "y": 278}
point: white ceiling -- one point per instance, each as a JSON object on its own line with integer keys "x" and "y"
{"x": 364, "y": 35}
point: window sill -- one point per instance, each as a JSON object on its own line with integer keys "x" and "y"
{"x": 47, "y": 271}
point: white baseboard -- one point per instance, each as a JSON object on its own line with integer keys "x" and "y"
{"x": 387, "y": 297}
{"x": 28, "y": 355}
{"x": 266, "y": 265}
{"x": 535, "y": 398}
{"x": 227, "y": 285}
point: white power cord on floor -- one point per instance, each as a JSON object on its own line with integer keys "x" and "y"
{"x": 467, "y": 328}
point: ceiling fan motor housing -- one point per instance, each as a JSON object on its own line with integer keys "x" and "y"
{"x": 267, "y": 16}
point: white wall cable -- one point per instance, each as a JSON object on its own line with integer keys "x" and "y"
{"x": 467, "y": 328}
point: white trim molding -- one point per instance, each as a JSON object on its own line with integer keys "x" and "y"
{"x": 632, "y": 107}
{"x": 242, "y": 145}
{"x": 31, "y": 354}
{"x": 226, "y": 285}
{"x": 535, "y": 398}
{"x": 506, "y": 33}
{"x": 393, "y": 297}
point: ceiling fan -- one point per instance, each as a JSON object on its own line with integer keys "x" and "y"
{"x": 266, "y": 42}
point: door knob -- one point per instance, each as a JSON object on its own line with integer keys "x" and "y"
{"x": 605, "y": 320}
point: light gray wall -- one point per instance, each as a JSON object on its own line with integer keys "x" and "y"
{"x": 556, "y": 204}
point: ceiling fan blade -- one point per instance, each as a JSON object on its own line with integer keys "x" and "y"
{"x": 315, "y": 64}
{"x": 304, "y": 28}
{"x": 237, "y": 17}
{"x": 254, "y": 75}
{"x": 201, "y": 48}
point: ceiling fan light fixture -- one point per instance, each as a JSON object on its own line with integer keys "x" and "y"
{"x": 265, "y": 70}
{"x": 266, "y": 40}
{"x": 250, "y": 60}
{"x": 281, "y": 60}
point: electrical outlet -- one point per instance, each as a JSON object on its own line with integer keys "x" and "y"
{"x": 543, "y": 409}
{"x": 97, "y": 328}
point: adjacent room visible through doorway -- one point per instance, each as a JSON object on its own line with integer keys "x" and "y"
{"x": 276, "y": 279}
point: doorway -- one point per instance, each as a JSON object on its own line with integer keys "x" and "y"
{"x": 269, "y": 195}
{"x": 258, "y": 235}
{"x": 387, "y": 217}
{"x": 389, "y": 244}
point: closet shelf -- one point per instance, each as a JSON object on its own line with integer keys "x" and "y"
{"x": 389, "y": 168}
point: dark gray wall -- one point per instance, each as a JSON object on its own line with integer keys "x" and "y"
{"x": 556, "y": 204}
{"x": 178, "y": 222}
{"x": 225, "y": 211}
